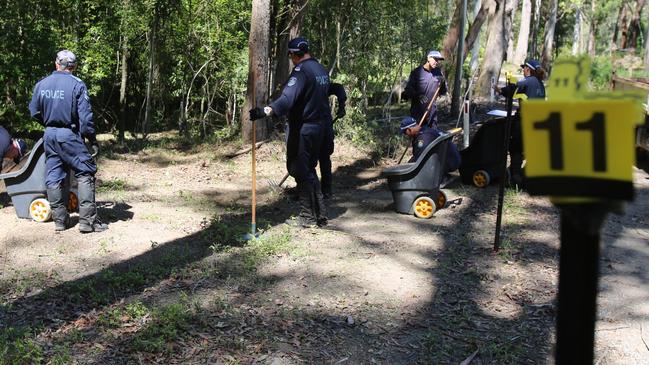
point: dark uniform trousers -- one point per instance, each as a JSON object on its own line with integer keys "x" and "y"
{"x": 64, "y": 148}
{"x": 303, "y": 151}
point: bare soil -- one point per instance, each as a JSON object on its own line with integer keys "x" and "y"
{"x": 374, "y": 286}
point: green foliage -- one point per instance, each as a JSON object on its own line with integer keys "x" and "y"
{"x": 111, "y": 185}
{"x": 17, "y": 347}
{"x": 600, "y": 72}
{"x": 168, "y": 325}
{"x": 267, "y": 245}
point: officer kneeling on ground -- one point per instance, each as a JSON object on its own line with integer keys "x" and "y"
{"x": 60, "y": 102}
{"x": 422, "y": 137}
{"x": 11, "y": 148}
{"x": 304, "y": 99}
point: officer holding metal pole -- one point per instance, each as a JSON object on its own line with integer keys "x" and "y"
{"x": 61, "y": 103}
{"x": 305, "y": 100}
{"x": 422, "y": 87}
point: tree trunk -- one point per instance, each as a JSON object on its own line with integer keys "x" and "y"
{"x": 576, "y": 35}
{"x": 620, "y": 26}
{"x": 548, "y": 42}
{"x": 257, "y": 93}
{"x": 634, "y": 30}
{"x": 646, "y": 46}
{"x": 533, "y": 49}
{"x": 496, "y": 46}
{"x": 149, "y": 84}
{"x": 289, "y": 28}
{"x": 509, "y": 28}
{"x": 473, "y": 35}
{"x": 592, "y": 30}
{"x": 122, "y": 90}
{"x": 523, "y": 33}
{"x": 450, "y": 41}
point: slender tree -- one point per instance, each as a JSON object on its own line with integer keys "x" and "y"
{"x": 523, "y": 32}
{"x": 548, "y": 42}
{"x": 496, "y": 46}
{"x": 258, "y": 50}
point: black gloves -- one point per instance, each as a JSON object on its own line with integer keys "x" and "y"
{"x": 341, "y": 112}
{"x": 94, "y": 147}
{"x": 257, "y": 113}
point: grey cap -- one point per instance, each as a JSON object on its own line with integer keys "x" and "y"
{"x": 435, "y": 54}
{"x": 66, "y": 58}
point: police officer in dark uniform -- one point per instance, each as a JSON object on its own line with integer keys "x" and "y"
{"x": 60, "y": 102}
{"x": 532, "y": 87}
{"x": 422, "y": 85}
{"x": 11, "y": 148}
{"x": 326, "y": 178}
{"x": 304, "y": 99}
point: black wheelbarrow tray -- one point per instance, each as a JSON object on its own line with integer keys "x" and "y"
{"x": 482, "y": 160}
{"x": 415, "y": 185}
{"x": 26, "y": 187}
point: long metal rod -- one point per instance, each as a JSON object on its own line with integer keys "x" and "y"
{"x": 503, "y": 173}
{"x": 578, "y": 279}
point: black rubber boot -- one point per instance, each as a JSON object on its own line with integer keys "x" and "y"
{"x": 307, "y": 216}
{"x": 88, "y": 219}
{"x": 58, "y": 203}
{"x": 321, "y": 207}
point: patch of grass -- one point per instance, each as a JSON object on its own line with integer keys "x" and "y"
{"x": 17, "y": 347}
{"x": 115, "y": 317}
{"x": 103, "y": 246}
{"x": 112, "y": 185}
{"x": 507, "y": 352}
{"x": 152, "y": 217}
{"x": 168, "y": 325}
{"x": 512, "y": 203}
{"x": 220, "y": 234}
{"x": 269, "y": 244}
{"x": 195, "y": 200}
{"x": 23, "y": 283}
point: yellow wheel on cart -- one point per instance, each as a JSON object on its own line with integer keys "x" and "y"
{"x": 440, "y": 203}
{"x": 424, "y": 207}
{"x": 73, "y": 202}
{"x": 40, "y": 210}
{"x": 481, "y": 178}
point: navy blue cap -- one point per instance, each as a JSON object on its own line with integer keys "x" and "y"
{"x": 298, "y": 45}
{"x": 407, "y": 122}
{"x": 533, "y": 64}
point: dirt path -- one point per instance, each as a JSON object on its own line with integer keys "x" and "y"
{"x": 171, "y": 281}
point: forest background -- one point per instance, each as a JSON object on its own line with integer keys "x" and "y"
{"x": 190, "y": 65}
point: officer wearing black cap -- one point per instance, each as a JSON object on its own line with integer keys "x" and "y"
{"x": 422, "y": 85}
{"x": 11, "y": 148}
{"x": 304, "y": 100}
{"x": 60, "y": 102}
{"x": 530, "y": 87}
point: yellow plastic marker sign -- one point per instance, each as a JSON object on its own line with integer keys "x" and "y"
{"x": 579, "y": 144}
{"x": 569, "y": 78}
{"x": 580, "y": 148}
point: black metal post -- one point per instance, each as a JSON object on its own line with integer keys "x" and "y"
{"x": 578, "y": 278}
{"x": 503, "y": 172}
